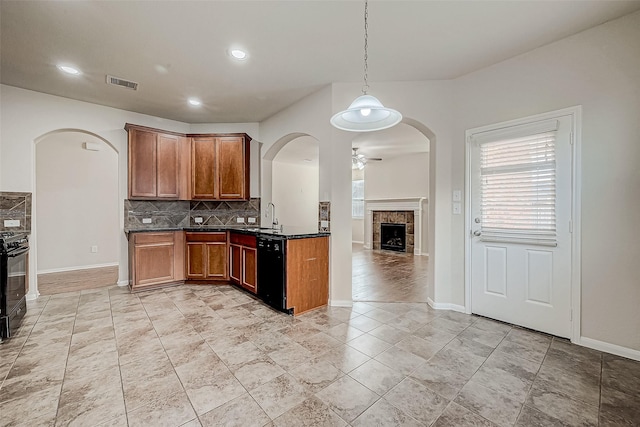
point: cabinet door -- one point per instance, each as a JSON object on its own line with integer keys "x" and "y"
{"x": 142, "y": 163}
{"x": 153, "y": 259}
{"x": 249, "y": 269}
{"x": 235, "y": 263}
{"x": 231, "y": 168}
{"x": 196, "y": 265}
{"x": 168, "y": 166}
{"x": 216, "y": 260}
{"x": 203, "y": 155}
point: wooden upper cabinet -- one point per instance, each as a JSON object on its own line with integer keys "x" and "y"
{"x": 158, "y": 164}
{"x": 168, "y": 166}
{"x": 232, "y": 168}
{"x": 203, "y": 154}
{"x": 142, "y": 164}
{"x": 220, "y": 168}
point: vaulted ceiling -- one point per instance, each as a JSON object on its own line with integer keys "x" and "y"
{"x": 179, "y": 49}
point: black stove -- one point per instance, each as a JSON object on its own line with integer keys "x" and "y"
{"x": 14, "y": 258}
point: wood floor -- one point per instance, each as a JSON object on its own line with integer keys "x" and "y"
{"x": 385, "y": 276}
{"x": 77, "y": 280}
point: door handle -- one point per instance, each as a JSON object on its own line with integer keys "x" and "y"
{"x": 477, "y": 233}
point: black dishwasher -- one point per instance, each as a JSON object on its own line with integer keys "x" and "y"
{"x": 272, "y": 271}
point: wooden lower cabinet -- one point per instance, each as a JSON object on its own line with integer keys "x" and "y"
{"x": 307, "y": 275}
{"x": 243, "y": 261}
{"x": 155, "y": 259}
{"x": 206, "y": 256}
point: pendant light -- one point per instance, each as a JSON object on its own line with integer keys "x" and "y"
{"x": 366, "y": 113}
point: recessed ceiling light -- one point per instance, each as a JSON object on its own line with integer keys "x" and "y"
{"x": 238, "y": 54}
{"x": 69, "y": 69}
{"x": 195, "y": 102}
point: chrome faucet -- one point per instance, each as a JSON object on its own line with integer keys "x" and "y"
{"x": 274, "y": 220}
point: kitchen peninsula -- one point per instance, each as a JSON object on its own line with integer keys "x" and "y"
{"x": 184, "y": 219}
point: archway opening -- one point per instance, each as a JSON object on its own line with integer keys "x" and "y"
{"x": 294, "y": 177}
{"x": 392, "y": 192}
{"x": 77, "y": 216}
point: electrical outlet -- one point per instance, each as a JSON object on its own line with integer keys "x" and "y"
{"x": 240, "y": 220}
{"x": 457, "y": 195}
{"x": 197, "y": 220}
{"x": 251, "y": 220}
{"x": 324, "y": 224}
{"x": 146, "y": 220}
{"x": 94, "y": 249}
{"x": 12, "y": 223}
{"x": 457, "y": 208}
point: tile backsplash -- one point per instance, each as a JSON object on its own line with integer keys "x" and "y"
{"x": 176, "y": 214}
{"x": 15, "y": 206}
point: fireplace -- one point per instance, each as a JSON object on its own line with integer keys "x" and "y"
{"x": 393, "y": 237}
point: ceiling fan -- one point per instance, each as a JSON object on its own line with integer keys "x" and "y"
{"x": 359, "y": 160}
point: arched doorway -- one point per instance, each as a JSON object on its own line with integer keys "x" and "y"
{"x": 76, "y": 212}
{"x": 293, "y": 174}
{"x": 394, "y": 186}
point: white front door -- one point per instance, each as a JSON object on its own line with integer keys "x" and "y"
{"x": 520, "y": 237}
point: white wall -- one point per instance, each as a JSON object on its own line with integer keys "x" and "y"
{"x": 400, "y": 177}
{"x": 403, "y": 176}
{"x": 27, "y": 116}
{"x": 295, "y": 194}
{"x": 600, "y": 70}
{"x": 77, "y": 193}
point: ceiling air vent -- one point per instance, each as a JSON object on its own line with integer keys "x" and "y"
{"x": 117, "y": 81}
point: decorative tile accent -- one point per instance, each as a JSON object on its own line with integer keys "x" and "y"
{"x": 324, "y": 214}
{"x": 394, "y": 217}
{"x": 182, "y": 213}
{"x": 15, "y": 205}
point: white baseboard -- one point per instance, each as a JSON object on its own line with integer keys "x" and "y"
{"x": 83, "y": 267}
{"x": 446, "y": 306}
{"x": 341, "y": 303}
{"x": 609, "y": 348}
{"x": 123, "y": 283}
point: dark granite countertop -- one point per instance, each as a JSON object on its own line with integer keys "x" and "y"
{"x": 285, "y": 233}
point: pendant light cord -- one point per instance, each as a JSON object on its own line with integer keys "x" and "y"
{"x": 365, "y": 87}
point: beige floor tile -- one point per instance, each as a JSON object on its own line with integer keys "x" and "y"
{"x": 347, "y": 398}
{"x": 376, "y": 377}
{"x": 279, "y": 395}
{"x": 310, "y": 413}
{"x": 417, "y": 401}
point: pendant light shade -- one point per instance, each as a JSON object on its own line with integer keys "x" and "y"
{"x": 366, "y": 113}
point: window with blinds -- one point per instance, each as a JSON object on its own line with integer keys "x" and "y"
{"x": 357, "y": 198}
{"x": 518, "y": 190}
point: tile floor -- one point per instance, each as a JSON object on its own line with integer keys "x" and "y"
{"x": 214, "y": 356}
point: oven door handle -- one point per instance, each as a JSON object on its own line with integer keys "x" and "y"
{"x": 18, "y": 252}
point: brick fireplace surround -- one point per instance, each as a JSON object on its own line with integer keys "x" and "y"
{"x": 407, "y": 211}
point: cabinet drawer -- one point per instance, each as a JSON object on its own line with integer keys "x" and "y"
{"x": 207, "y": 237}
{"x": 151, "y": 238}
{"x": 242, "y": 239}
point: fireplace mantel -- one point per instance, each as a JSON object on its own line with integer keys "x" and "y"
{"x": 415, "y": 204}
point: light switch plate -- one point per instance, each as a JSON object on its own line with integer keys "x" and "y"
{"x": 457, "y": 208}
{"x": 12, "y": 223}
{"x": 146, "y": 220}
{"x": 457, "y": 195}
{"x": 251, "y": 220}
{"x": 197, "y": 220}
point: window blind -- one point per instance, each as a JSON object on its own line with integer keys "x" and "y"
{"x": 518, "y": 190}
{"x": 357, "y": 198}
